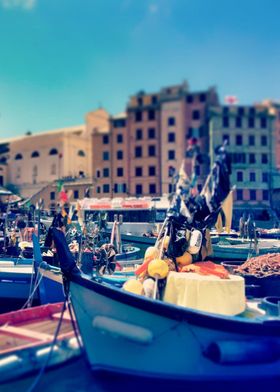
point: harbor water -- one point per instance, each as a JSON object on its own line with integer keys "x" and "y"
{"x": 77, "y": 377}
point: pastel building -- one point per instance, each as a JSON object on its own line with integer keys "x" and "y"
{"x": 133, "y": 154}
{"x": 36, "y": 160}
{"x": 250, "y": 135}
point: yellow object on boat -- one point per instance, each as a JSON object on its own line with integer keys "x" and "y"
{"x": 133, "y": 286}
{"x": 185, "y": 259}
{"x": 158, "y": 268}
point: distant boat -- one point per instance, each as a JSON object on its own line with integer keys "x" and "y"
{"x": 234, "y": 249}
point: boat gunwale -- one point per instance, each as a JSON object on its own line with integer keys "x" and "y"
{"x": 270, "y": 327}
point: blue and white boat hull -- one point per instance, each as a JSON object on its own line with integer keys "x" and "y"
{"x": 129, "y": 334}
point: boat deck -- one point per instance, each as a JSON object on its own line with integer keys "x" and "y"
{"x": 30, "y": 327}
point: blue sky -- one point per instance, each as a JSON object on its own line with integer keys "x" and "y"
{"x": 62, "y": 58}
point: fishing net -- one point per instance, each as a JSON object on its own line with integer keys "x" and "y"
{"x": 261, "y": 266}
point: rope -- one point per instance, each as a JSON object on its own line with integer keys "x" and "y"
{"x": 43, "y": 368}
{"x": 74, "y": 326}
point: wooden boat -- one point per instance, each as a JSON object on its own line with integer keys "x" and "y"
{"x": 26, "y": 337}
{"x": 160, "y": 340}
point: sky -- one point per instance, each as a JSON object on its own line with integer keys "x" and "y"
{"x": 60, "y": 59}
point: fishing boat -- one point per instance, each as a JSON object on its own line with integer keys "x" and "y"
{"x": 201, "y": 336}
{"x": 27, "y": 337}
{"x": 204, "y": 346}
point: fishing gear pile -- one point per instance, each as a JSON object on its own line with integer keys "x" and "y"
{"x": 261, "y": 266}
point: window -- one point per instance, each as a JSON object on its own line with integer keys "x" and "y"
{"x": 226, "y": 138}
{"x": 239, "y": 176}
{"x": 154, "y": 99}
{"x": 225, "y": 110}
{"x": 265, "y": 194}
{"x": 251, "y": 122}
{"x": 119, "y": 123}
{"x": 139, "y": 134}
{"x": 52, "y": 196}
{"x": 151, "y": 133}
{"x": 76, "y": 194}
{"x": 202, "y": 97}
{"x": 252, "y": 177}
{"x": 81, "y": 153}
{"x": 106, "y": 188}
{"x": 138, "y": 189}
{"x": 138, "y": 172}
{"x": 106, "y": 156}
{"x": 239, "y": 157}
{"x": 170, "y": 188}
{"x": 106, "y": 139}
{"x": 138, "y": 116}
{"x": 239, "y": 194}
{"x": 225, "y": 122}
{"x": 239, "y": 140}
{"x": 152, "y": 188}
{"x": 119, "y": 172}
{"x": 138, "y": 152}
{"x": 265, "y": 177}
{"x": 253, "y": 194}
{"x": 171, "y": 121}
{"x": 263, "y": 122}
{"x": 18, "y": 157}
{"x": 35, "y": 154}
{"x": 196, "y": 114}
{"x": 201, "y": 131}
{"x": 53, "y": 169}
{"x": 106, "y": 172}
{"x": 53, "y": 151}
{"x": 152, "y": 170}
{"x": 252, "y": 158}
{"x": 264, "y": 158}
{"x": 119, "y": 154}
{"x": 251, "y": 140}
{"x": 189, "y": 133}
{"x": 252, "y": 111}
{"x": 171, "y": 154}
{"x": 238, "y": 122}
{"x": 152, "y": 151}
{"x": 151, "y": 115}
{"x": 140, "y": 101}
{"x": 119, "y": 188}
{"x": 190, "y": 99}
{"x": 171, "y": 137}
{"x": 119, "y": 138}
{"x": 171, "y": 171}
{"x": 98, "y": 189}
{"x": 264, "y": 140}
{"x": 241, "y": 111}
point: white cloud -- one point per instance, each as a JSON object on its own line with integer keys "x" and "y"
{"x": 24, "y": 4}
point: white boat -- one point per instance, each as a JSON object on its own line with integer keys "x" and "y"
{"x": 131, "y": 334}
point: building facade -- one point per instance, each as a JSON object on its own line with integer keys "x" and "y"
{"x": 249, "y": 132}
{"x": 138, "y": 152}
{"x": 35, "y": 160}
